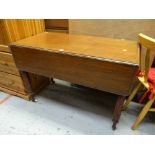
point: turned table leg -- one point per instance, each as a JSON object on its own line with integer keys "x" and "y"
{"x": 117, "y": 111}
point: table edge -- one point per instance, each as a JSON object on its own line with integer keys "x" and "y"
{"x": 75, "y": 54}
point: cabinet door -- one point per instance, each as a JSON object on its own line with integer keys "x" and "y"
{"x": 7, "y": 63}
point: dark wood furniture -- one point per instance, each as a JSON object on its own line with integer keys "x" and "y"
{"x": 101, "y": 63}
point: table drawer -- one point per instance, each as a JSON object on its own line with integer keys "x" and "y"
{"x": 7, "y": 63}
{"x": 11, "y": 82}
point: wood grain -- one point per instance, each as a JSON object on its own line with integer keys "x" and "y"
{"x": 83, "y": 45}
{"x": 15, "y": 29}
{"x": 13, "y": 92}
{"x": 4, "y": 48}
{"x": 103, "y": 75}
{"x": 7, "y": 64}
{"x": 12, "y": 30}
{"x": 11, "y": 82}
{"x": 101, "y": 63}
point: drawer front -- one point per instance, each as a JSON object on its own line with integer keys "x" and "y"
{"x": 11, "y": 82}
{"x": 7, "y": 63}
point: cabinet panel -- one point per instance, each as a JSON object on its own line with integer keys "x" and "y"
{"x": 11, "y": 82}
{"x": 7, "y": 63}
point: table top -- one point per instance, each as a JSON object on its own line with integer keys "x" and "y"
{"x": 84, "y": 45}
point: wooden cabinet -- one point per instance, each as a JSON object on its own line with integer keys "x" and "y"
{"x": 15, "y": 29}
{"x": 7, "y": 63}
{"x": 11, "y": 80}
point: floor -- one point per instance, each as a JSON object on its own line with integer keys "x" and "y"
{"x": 63, "y": 109}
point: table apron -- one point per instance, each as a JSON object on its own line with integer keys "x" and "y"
{"x": 108, "y": 76}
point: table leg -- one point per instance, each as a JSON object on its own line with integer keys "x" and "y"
{"x": 52, "y": 81}
{"x": 27, "y": 84}
{"x": 117, "y": 110}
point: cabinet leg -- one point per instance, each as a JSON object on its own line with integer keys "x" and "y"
{"x": 34, "y": 99}
{"x": 27, "y": 84}
{"x": 117, "y": 111}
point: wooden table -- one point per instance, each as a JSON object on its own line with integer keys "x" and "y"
{"x": 102, "y": 63}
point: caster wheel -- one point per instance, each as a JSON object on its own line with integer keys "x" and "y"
{"x": 34, "y": 100}
{"x": 52, "y": 81}
{"x": 114, "y": 127}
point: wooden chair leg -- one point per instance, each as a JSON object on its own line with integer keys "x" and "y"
{"x": 143, "y": 113}
{"x": 131, "y": 96}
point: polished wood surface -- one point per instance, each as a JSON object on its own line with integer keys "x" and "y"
{"x": 7, "y": 63}
{"x": 4, "y": 48}
{"x": 102, "y": 75}
{"x": 11, "y": 81}
{"x": 101, "y": 63}
{"x": 113, "y": 28}
{"x": 82, "y": 45}
{"x": 111, "y": 72}
{"x": 15, "y": 29}
{"x": 12, "y": 30}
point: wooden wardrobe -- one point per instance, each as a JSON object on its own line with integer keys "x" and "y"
{"x": 11, "y": 80}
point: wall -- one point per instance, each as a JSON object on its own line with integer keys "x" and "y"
{"x": 115, "y": 28}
